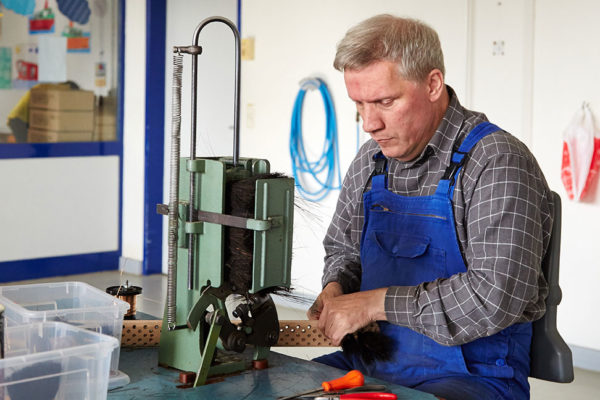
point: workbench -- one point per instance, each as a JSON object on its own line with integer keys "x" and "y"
{"x": 285, "y": 376}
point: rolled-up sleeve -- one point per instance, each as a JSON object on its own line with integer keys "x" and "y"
{"x": 342, "y": 255}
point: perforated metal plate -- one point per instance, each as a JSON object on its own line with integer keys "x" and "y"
{"x": 292, "y": 333}
{"x": 141, "y": 333}
{"x": 301, "y": 333}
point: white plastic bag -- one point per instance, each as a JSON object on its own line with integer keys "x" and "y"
{"x": 580, "y": 153}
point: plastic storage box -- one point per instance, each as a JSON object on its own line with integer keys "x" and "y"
{"x": 76, "y": 303}
{"x": 53, "y": 360}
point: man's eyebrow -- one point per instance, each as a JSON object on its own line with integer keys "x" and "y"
{"x": 376, "y": 100}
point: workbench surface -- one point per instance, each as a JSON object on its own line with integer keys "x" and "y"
{"x": 285, "y": 376}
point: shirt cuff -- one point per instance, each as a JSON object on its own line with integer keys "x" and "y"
{"x": 398, "y": 305}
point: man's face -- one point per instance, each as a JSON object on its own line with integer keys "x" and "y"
{"x": 398, "y": 114}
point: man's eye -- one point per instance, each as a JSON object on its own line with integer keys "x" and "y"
{"x": 386, "y": 102}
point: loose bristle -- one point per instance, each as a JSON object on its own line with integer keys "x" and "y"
{"x": 369, "y": 344}
{"x": 282, "y": 291}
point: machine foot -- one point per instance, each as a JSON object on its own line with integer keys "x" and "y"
{"x": 260, "y": 364}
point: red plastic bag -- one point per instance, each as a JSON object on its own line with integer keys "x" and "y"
{"x": 581, "y": 154}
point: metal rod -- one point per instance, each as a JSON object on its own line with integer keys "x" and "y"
{"x": 236, "y": 133}
{"x": 191, "y": 237}
{"x": 174, "y": 190}
{"x": 236, "y": 105}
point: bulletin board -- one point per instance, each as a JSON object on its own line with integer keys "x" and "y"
{"x": 52, "y": 41}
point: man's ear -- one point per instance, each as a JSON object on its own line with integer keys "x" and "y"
{"x": 435, "y": 84}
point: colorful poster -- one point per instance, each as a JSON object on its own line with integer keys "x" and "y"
{"x": 42, "y": 21}
{"x": 77, "y": 40}
{"x": 25, "y": 61}
{"x": 5, "y": 67}
{"x": 100, "y": 74}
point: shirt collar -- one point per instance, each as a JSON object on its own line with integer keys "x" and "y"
{"x": 447, "y": 133}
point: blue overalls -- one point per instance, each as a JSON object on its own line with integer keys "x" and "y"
{"x": 410, "y": 240}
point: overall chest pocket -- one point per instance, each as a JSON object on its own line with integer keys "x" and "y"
{"x": 390, "y": 258}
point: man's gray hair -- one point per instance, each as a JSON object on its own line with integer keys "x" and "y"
{"x": 414, "y": 45}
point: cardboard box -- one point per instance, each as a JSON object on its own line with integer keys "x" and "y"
{"x": 51, "y": 120}
{"x": 104, "y": 118}
{"x": 105, "y": 125}
{"x": 43, "y": 136}
{"x": 105, "y": 132}
{"x": 62, "y": 99}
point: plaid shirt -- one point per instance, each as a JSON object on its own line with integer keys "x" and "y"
{"x": 503, "y": 218}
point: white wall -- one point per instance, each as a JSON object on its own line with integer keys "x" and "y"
{"x": 134, "y": 130}
{"x": 500, "y": 74}
{"x": 566, "y": 73}
{"x": 58, "y": 206}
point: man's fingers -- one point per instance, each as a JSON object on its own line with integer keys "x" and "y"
{"x": 323, "y": 319}
{"x": 314, "y": 312}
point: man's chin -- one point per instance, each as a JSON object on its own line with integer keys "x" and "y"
{"x": 395, "y": 153}
{"x": 389, "y": 152}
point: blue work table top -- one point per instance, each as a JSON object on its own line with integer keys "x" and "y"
{"x": 285, "y": 376}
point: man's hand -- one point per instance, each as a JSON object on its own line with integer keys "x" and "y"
{"x": 333, "y": 289}
{"x": 347, "y": 313}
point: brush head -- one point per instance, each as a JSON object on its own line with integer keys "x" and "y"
{"x": 239, "y": 243}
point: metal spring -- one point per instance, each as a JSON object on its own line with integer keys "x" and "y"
{"x": 174, "y": 189}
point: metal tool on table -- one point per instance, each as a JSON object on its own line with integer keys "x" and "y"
{"x": 197, "y": 332}
{"x": 359, "y": 390}
{"x": 360, "y": 396}
{"x": 352, "y": 379}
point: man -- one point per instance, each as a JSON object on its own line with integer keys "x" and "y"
{"x": 440, "y": 227}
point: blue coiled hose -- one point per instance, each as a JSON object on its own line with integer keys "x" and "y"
{"x": 315, "y": 179}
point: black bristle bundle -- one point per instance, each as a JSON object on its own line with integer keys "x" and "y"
{"x": 368, "y": 343}
{"x": 282, "y": 291}
{"x": 239, "y": 243}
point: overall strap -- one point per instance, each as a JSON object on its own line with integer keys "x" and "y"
{"x": 448, "y": 181}
{"x": 379, "y": 174}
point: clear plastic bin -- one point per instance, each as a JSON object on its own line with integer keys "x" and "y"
{"x": 76, "y": 303}
{"x": 54, "y": 360}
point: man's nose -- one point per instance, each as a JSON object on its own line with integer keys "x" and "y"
{"x": 371, "y": 119}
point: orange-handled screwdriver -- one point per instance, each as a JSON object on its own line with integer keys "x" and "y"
{"x": 352, "y": 379}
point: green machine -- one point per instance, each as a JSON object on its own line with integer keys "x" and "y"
{"x": 230, "y": 241}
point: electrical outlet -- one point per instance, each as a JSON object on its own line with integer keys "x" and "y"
{"x": 498, "y": 48}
